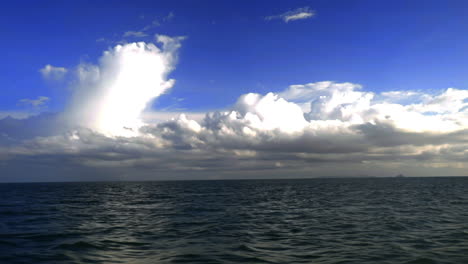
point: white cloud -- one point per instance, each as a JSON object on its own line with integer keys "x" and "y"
{"x": 270, "y": 112}
{"x": 399, "y": 94}
{"x": 111, "y": 96}
{"x": 154, "y": 117}
{"x": 135, "y": 34}
{"x": 141, "y": 32}
{"x": 169, "y": 16}
{"x": 344, "y": 124}
{"x": 450, "y": 101}
{"x": 155, "y": 23}
{"x": 297, "y": 14}
{"x": 52, "y": 72}
{"x": 39, "y": 101}
{"x": 328, "y": 100}
{"x": 347, "y": 102}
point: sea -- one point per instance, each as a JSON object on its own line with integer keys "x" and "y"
{"x": 335, "y": 220}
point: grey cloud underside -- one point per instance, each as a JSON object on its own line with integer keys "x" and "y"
{"x": 212, "y": 137}
{"x": 368, "y": 142}
{"x": 170, "y": 147}
{"x": 386, "y": 135}
{"x": 14, "y": 130}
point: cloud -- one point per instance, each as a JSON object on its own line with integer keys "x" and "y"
{"x": 136, "y": 34}
{"x": 169, "y": 16}
{"x": 52, "y": 72}
{"x": 153, "y": 117}
{"x": 110, "y": 97}
{"x": 343, "y": 125}
{"x": 143, "y": 32}
{"x": 15, "y": 114}
{"x": 39, "y": 101}
{"x": 296, "y": 14}
{"x": 312, "y": 129}
{"x": 153, "y": 24}
{"x": 344, "y": 130}
{"x": 29, "y": 127}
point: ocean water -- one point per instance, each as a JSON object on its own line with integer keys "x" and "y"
{"x": 369, "y": 220}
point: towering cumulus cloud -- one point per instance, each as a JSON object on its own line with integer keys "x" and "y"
{"x": 110, "y": 97}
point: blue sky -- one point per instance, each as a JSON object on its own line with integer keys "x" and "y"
{"x": 255, "y": 89}
{"x": 231, "y": 49}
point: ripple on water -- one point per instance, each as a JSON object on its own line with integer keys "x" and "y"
{"x": 407, "y": 220}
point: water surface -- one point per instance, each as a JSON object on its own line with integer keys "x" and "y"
{"x": 372, "y": 220}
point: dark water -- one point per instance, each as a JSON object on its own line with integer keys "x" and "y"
{"x": 393, "y": 220}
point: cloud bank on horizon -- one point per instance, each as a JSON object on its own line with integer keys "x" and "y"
{"x": 314, "y": 129}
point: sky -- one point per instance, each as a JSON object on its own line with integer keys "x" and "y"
{"x": 158, "y": 90}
